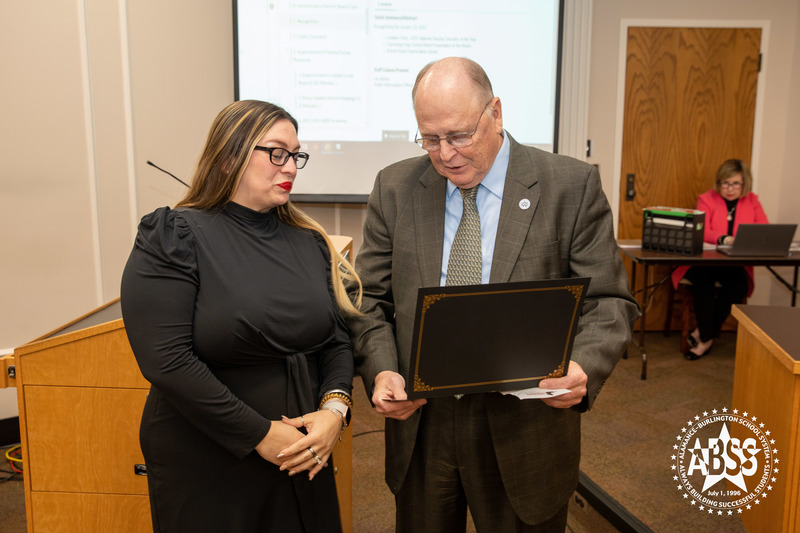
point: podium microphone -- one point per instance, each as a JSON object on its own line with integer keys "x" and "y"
{"x": 166, "y": 172}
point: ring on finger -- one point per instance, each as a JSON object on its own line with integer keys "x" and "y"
{"x": 302, "y": 420}
{"x": 314, "y": 455}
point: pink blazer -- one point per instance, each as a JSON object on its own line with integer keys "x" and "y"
{"x": 748, "y": 211}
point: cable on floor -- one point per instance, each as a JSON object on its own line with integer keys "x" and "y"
{"x": 13, "y": 455}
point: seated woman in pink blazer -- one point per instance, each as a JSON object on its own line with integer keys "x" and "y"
{"x": 727, "y": 205}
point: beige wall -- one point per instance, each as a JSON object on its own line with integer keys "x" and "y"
{"x": 92, "y": 89}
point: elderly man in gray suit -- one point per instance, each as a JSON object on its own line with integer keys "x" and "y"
{"x": 513, "y": 462}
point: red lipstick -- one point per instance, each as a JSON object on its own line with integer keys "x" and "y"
{"x": 286, "y": 185}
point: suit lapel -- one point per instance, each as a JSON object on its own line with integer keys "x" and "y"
{"x": 429, "y": 207}
{"x": 515, "y": 218}
{"x": 520, "y": 201}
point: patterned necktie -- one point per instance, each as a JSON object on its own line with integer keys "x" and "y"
{"x": 464, "y": 265}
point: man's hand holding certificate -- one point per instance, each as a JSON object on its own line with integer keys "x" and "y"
{"x": 575, "y": 380}
{"x": 389, "y": 396}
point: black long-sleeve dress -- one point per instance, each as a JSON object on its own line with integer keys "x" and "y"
{"x": 231, "y": 317}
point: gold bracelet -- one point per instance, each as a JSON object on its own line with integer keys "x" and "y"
{"x": 344, "y": 397}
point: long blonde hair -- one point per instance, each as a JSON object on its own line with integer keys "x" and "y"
{"x": 234, "y": 133}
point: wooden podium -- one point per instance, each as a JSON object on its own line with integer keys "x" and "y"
{"x": 766, "y": 383}
{"x": 80, "y": 401}
{"x": 81, "y": 397}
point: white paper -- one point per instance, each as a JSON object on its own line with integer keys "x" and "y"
{"x": 536, "y": 393}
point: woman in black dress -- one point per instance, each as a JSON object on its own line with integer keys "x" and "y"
{"x": 233, "y": 306}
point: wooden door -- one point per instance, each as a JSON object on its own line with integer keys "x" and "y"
{"x": 690, "y": 98}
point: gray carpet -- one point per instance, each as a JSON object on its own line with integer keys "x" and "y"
{"x": 12, "y": 497}
{"x": 627, "y": 443}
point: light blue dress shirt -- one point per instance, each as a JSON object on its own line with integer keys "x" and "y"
{"x": 490, "y": 198}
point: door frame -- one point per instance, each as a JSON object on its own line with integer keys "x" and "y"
{"x": 620, "y": 109}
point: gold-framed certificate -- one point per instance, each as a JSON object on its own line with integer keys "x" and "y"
{"x": 494, "y": 337}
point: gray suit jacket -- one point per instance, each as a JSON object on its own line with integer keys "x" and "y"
{"x": 566, "y": 232}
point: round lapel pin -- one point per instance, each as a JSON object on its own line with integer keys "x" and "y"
{"x": 524, "y": 203}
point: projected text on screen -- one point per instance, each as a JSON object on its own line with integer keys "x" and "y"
{"x": 345, "y": 70}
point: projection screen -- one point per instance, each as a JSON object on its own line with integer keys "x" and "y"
{"x": 344, "y": 69}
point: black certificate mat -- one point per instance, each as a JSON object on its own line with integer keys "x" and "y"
{"x": 501, "y": 336}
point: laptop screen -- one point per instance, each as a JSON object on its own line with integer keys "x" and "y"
{"x": 761, "y": 239}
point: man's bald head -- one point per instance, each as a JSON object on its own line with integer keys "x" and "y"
{"x": 453, "y": 73}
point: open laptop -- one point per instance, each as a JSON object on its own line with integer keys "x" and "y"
{"x": 771, "y": 240}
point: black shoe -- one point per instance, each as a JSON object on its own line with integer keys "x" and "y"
{"x": 691, "y": 340}
{"x": 691, "y": 356}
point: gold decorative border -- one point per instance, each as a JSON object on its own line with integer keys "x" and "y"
{"x": 420, "y": 385}
{"x": 558, "y": 372}
{"x": 576, "y": 290}
{"x": 429, "y": 300}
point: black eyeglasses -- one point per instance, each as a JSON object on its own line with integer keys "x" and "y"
{"x": 458, "y": 140}
{"x": 280, "y": 156}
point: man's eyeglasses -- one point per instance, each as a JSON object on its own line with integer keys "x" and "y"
{"x": 728, "y": 185}
{"x": 280, "y": 156}
{"x": 457, "y": 140}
